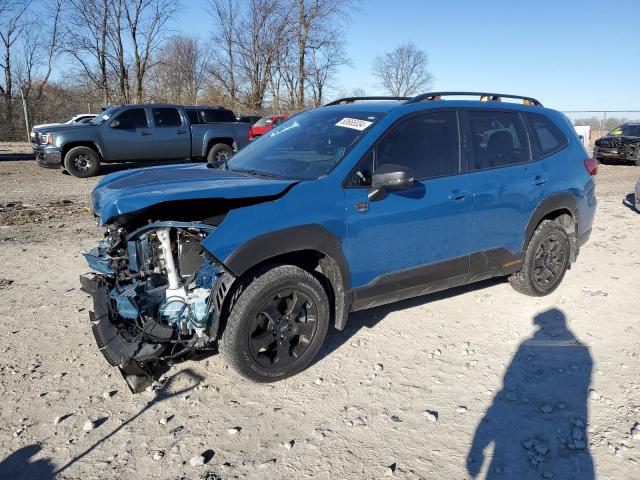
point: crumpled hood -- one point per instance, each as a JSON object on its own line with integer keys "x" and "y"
{"x": 133, "y": 190}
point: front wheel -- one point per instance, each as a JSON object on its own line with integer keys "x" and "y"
{"x": 277, "y": 325}
{"x": 82, "y": 162}
{"x": 546, "y": 260}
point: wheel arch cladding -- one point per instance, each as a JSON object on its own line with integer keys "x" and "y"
{"x": 550, "y": 209}
{"x": 292, "y": 242}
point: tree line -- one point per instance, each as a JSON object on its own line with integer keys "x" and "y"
{"x": 278, "y": 55}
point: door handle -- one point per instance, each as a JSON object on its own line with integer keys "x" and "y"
{"x": 458, "y": 195}
{"x": 180, "y": 132}
{"x": 539, "y": 180}
{"x": 144, "y": 134}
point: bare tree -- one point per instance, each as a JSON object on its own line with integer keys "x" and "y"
{"x": 315, "y": 23}
{"x": 403, "y": 71}
{"x": 13, "y": 22}
{"x": 181, "y": 69}
{"x": 145, "y": 26}
{"x": 117, "y": 57}
{"x": 260, "y": 36}
{"x": 323, "y": 66}
{"x": 224, "y": 67}
{"x": 89, "y": 26}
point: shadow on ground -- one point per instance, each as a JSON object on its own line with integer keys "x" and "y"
{"x": 370, "y": 317}
{"x": 19, "y": 466}
{"x": 630, "y": 201}
{"x": 537, "y": 423}
{"x": 15, "y": 157}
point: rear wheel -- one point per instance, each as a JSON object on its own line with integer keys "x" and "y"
{"x": 277, "y": 325}
{"x": 220, "y": 152}
{"x": 82, "y": 162}
{"x": 546, "y": 260}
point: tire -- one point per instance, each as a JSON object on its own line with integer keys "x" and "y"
{"x": 546, "y": 260}
{"x": 277, "y": 325}
{"x": 219, "y": 153}
{"x": 82, "y": 162}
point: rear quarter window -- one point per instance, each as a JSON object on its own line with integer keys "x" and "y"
{"x": 546, "y": 138}
{"x": 223, "y": 116}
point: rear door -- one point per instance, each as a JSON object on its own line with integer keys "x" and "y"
{"x": 172, "y": 138}
{"x": 128, "y": 136}
{"x": 507, "y": 184}
{"x": 421, "y": 234}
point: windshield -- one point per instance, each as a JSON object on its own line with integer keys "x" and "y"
{"x": 104, "y": 116}
{"x": 306, "y": 146}
{"x": 626, "y": 131}
{"x": 263, "y": 122}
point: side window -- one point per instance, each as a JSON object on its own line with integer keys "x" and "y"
{"x": 194, "y": 117}
{"x": 133, "y": 118}
{"x": 497, "y": 139}
{"x": 546, "y": 137}
{"x": 224, "y": 116}
{"x": 428, "y": 144}
{"x": 166, "y": 117}
{"x": 278, "y": 121}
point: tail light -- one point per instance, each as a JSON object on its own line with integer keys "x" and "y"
{"x": 250, "y": 134}
{"x": 591, "y": 164}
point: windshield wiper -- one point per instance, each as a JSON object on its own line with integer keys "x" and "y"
{"x": 255, "y": 173}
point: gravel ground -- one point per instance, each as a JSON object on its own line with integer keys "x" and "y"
{"x": 475, "y": 381}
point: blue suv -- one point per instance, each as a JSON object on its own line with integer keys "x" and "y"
{"x": 356, "y": 204}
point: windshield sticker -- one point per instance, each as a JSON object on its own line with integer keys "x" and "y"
{"x": 617, "y": 132}
{"x": 354, "y": 123}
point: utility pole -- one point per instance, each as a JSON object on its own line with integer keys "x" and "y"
{"x": 26, "y": 114}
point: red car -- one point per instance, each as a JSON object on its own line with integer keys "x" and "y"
{"x": 265, "y": 124}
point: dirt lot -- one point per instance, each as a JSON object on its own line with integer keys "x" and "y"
{"x": 402, "y": 392}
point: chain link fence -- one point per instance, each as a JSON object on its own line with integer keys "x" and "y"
{"x": 18, "y": 116}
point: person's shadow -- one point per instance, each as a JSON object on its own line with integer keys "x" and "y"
{"x": 538, "y": 421}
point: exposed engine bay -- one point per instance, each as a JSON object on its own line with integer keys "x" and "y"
{"x": 157, "y": 296}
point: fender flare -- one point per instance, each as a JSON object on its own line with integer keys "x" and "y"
{"x": 312, "y": 237}
{"x": 562, "y": 201}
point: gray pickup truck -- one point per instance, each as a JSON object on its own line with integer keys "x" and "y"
{"x": 141, "y": 133}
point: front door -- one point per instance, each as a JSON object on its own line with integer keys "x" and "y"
{"x": 129, "y": 137}
{"x": 419, "y": 235}
{"x": 172, "y": 138}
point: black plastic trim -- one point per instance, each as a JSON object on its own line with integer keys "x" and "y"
{"x": 288, "y": 240}
{"x": 562, "y": 201}
{"x": 436, "y": 277}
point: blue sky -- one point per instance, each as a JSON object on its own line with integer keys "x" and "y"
{"x": 571, "y": 55}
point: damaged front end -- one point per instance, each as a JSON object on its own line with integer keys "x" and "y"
{"x": 157, "y": 296}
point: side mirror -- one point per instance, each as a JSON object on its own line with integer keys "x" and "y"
{"x": 387, "y": 178}
{"x": 115, "y": 124}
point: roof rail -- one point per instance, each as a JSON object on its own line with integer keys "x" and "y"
{"x": 362, "y": 99}
{"x": 484, "y": 97}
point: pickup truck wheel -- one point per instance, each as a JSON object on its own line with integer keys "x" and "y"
{"x": 546, "y": 260}
{"x": 277, "y": 325}
{"x": 219, "y": 152}
{"x": 82, "y": 162}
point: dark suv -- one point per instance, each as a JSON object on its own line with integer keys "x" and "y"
{"x": 345, "y": 207}
{"x": 622, "y": 144}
